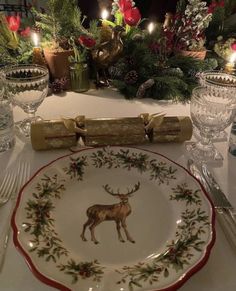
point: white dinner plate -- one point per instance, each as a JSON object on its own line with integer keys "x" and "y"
{"x": 114, "y": 218}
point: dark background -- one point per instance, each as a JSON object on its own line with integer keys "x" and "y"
{"x": 156, "y": 9}
{"x": 152, "y": 9}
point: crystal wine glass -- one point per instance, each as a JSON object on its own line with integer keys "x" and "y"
{"x": 221, "y": 84}
{"x": 26, "y": 86}
{"x": 210, "y": 114}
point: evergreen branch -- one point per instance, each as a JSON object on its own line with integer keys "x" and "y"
{"x": 94, "y": 30}
{"x": 170, "y": 87}
{"x": 6, "y": 57}
{"x": 187, "y": 64}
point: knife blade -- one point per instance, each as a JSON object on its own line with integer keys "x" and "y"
{"x": 218, "y": 196}
{"x": 223, "y": 213}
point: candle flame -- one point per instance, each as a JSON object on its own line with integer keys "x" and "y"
{"x": 151, "y": 27}
{"x": 35, "y": 39}
{"x": 104, "y": 14}
{"x": 232, "y": 59}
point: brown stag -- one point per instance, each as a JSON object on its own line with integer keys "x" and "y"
{"x": 117, "y": 212}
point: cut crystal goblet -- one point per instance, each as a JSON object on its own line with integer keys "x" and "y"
{"x": 211, "y": 114}
{"x": 223, "y": 85}
{"x": 26, "y": 87}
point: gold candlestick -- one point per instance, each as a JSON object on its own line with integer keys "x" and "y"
{"x": 38, "y": 57}
{"x": 230, "y": 66}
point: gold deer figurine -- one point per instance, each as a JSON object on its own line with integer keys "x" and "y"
{"x": 117, "y": 212}
{"x": 107, "y": 53}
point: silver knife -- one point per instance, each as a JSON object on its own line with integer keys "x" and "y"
{"x": 224, "y": 210}
{"x": 218, "y": 196}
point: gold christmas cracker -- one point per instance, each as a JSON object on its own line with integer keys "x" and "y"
{"x": 51, "y": 134}
{"x": 172, "y": 129}
{"x": 114, "y": 131}
{"x": 65, "y": 133}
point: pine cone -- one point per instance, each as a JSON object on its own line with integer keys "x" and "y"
{"x": 58, "y": 85}
{"x": 131, "y": 77}
{"x": 129, "y": 61}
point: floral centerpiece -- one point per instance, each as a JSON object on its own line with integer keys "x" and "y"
{"x": 148, "y": 66}
{"x": 61, "y": 21}
{"x": 139, "y": 63}
{"x": 190, "y": 22}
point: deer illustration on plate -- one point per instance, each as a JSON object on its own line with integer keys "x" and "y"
{"x": 116, "y": 212}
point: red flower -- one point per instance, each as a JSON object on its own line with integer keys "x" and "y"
{"x": 233, "y": 46}
{"x": 221, "y": 3}
{"x": 125, "y": 5}
{"x": 25, "y": 32}
{"x": 13, "y": 22}
{"x": 86, "y": 41}
{"x": 214, "y": 5}
{"x": 132, "y": 16}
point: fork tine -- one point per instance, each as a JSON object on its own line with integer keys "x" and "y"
{"x": 8, "y": 185}
{"x": 4, "y": 182}
{"x": 12, "y": 187}
{"x": 23, "y": 174}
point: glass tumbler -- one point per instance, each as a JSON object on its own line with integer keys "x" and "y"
{"x": 79, "y": 77}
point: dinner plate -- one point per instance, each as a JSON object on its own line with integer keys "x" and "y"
{"x": 114, "y": 218}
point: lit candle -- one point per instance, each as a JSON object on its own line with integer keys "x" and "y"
{"x": 151, "y": 27}
{"x": 104, "y": 14}
{"x": 38, "y": 58}
{"x": 230, "y": 66}
{"x": 35, "y": 39}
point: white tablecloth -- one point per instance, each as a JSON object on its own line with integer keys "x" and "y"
{"x": 219, "y": 274}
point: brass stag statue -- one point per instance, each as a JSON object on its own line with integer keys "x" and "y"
{"x": 107, "y": 53}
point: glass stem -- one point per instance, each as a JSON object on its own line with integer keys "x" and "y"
{"x": 31, "y": 114}
{"x": 205, "y": 142}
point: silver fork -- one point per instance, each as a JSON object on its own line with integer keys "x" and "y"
{"x": 23, "y": 175}
{"x": 7, "y": 187}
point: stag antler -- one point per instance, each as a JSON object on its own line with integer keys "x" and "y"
{"x": 109, "y": 190}
{"x": 136, "y": 187}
